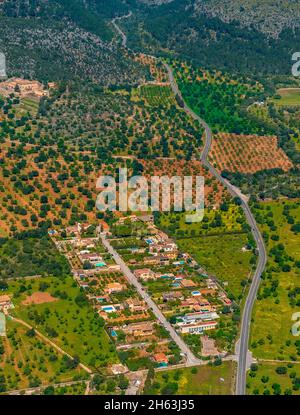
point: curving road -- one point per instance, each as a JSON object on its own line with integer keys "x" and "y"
{"x": 262, "y": 255}
{"x": 246, "y": 317}
{"x": 121, "y": 33}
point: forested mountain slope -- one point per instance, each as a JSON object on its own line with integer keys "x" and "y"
{"x": 59, "y": 39}
{"x": 248, "y": 37}
{"x": 267, "y": 16}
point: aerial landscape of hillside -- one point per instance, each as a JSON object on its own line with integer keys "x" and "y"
{"x": 157, "y": 294}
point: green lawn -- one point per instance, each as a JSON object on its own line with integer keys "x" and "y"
{"x": 265, "y": 380}
{"x": 205, "y": 380}
{"x": 288, "y": 96}
{"x": 77, "y": 329}
{"x": 223, "y": 256}
{"x": 271, "y": 336}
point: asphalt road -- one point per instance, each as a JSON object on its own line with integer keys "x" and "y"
{"x": 191, "y": 359}
{"x": 262, "y": 255}
{"x": 121, "y": 33}
{"x": 262, "y": 259}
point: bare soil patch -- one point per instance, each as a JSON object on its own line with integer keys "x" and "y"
{"x": 39, "y": 298}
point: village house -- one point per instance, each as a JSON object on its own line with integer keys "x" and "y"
{"x": 211, "y": 284}
{"x": 172, "y": 295}
{"x": 187, "y": 283}
{"x": 163, "y": 259}
{"x": 23, "y": 87}
{"x": 87, "y": 243}
{"x": 203, "y": 316}
{"x": 142, "y": 329}
{"x": 114, "y": 287}
{"x": 162, "y": 237}
{"x": 90, "y": 257}
{"x": 189, "y": 302}
{"x": 135, "y": 305}
{"x": 79, "y": 273}
{"x": 147, "y": 218}
{"x": 5, "y": 303}
{"x": 144, "y": 274}
{"x": 196, "y": 304}
{"x": 169, "y": 249}
{"x": 208, "y": 292}
{"x": 83, "y": 285}
{"x": 223, "y": 297}
{"x": 196, "y": 328}
{"x": 131, "y": 218}
{"x": 105, "y": 310}
{"x": 73, "y": 230}
{"x": 161, "y": 358}
{"x": 101, "y": 298}
{"x": 118, "y": 369}
{"x": 77, "y": 229}
{"x": 155, "y": 260}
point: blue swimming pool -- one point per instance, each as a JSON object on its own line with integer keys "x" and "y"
{"x": 108, "y": 308}
{"x": 100, "y": 264}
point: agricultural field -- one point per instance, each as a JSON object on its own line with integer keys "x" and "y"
{"x": 27, "y": 107}
{"x": 279, "y": 294}
{"x": 248, "y": 153}
{"x": 228, "y": 219}
{"x": 287, "y": 97}
{"x": 30, "y": 254}
{"x": 65, "y": 317}
{"x": 274, "y": 379}
{"x": 28, "y": 362}
{"x": 156, "y": 95}
{"x": 202, "y": 380}
{"x": 224, "y": 257}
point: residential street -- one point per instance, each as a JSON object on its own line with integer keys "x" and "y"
{"x": 132, "y": 279}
